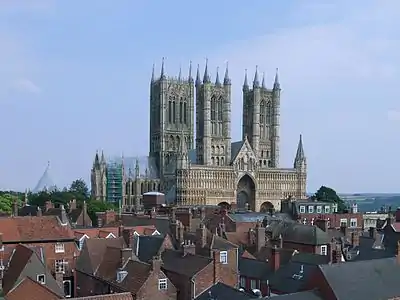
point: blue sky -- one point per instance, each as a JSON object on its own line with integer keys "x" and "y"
{"x": 74, "y": 77}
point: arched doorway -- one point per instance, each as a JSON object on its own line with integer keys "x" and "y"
{"x": 267, "y": 207}
{"x": 224, "y": 205}
{"x": 245, "y": 193}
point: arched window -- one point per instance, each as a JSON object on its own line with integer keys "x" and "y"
{"x": 173, "y": 112}
{"x": 169, "y": 111}
{"x": 184, "y": 113}
{"x": 220, "y": 108}
{"x": 180, "y": 112}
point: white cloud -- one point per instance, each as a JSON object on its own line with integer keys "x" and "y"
{"x": 26, "y": 85}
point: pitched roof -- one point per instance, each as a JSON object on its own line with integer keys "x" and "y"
{"x": 188, "y": 265}
{"x": 369, "y": 279}
{"x": 93, "y": 251}
{"x": 96, "y": 232}
{"x": 147, "y": 246}
{"x": 32, "y": 290}
{"x": 307, "y": 295}
{"x": 25, "y": 229}
{"x": 254, "y": 268}
{"x": 138, "y": 273}
{"x": 119, "y": 296}
{"x": 223, "y": 291}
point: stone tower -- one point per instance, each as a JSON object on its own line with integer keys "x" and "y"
{"x": 213, "y": 119}
{"x": 99, "y": 178}
{"x": 261, "y": 119}
{"x": 171, "y": 116}
{"x": 300, "y": 165}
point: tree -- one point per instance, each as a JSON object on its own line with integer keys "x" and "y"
{"x": 94, "y": 206}
{"x": 7, "y": 200}
{"x": 327, "y": 194}
{"x": 79, "y": 187}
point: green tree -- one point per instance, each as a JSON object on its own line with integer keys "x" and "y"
{"x": 327, "y": 194}
{"x": 94, "y": 206}
{"x": 80, "y": 190}
{"x": 7, "y": 200}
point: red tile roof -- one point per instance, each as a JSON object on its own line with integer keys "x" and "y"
{"x": 119, "y": 296}
{"x": 32, "y": 290}
{"x": 26, "y": 229}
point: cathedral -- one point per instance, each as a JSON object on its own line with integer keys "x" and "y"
{"x": 200, "y": 165}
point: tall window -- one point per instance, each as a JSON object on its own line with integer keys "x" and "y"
{"x": 162, "y": 284}
{"x": 173, "y": 112}
{"x": 59, "y": 248}
{"x": 180, "y": 112}
{"x": 169, "y": 111}
{"x": 59, "y": 266}
{"x": 184, "y": 113}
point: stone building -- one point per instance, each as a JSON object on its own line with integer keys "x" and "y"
{"x": 207, "y": 168}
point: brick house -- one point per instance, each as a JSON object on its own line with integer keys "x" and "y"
{"x": 55, "y": 239}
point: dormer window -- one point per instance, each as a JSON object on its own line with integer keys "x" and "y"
{"x": 59, "y": 248}
{"x": 327, "y": 209}
{"x": 223, "y": 257}
{"x": 41, "y": 278}
{"x": 319, "y": 209}
{"x": 302, "y": 209}
{"x": 311, "y": 209}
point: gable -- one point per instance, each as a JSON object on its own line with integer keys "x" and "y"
{"x": 245, "y": 159}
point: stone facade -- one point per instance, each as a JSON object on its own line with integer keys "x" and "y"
{"x": 207, "y": 168}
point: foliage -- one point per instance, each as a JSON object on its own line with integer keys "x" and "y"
{"x": 78, "y": 190}
{"x": 327, "y": 194}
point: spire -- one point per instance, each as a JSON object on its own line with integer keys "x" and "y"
{"x": 137, "y": 171}
{"x": 263, "y": 82}
{"x": 217, "y": 82}
{"x": 180, "y": 74}
{"x": 227, "y": 80}
{"x": 190, "y": 72}
{"x": 103, "y": 160}
{"x": 152, "y": 73}
{"x": 256, "y": 82}
{"x": 96, "y": 158}
{"x": 206, "y": 77}
{"x": 162, "y": 75}
{"x": 245, "y": 83}
{"x": 300, "y": 156}
{"x": 277, "y": 85}
{"x": 198, "y": 81}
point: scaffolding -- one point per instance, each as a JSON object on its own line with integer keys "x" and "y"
{"x": 115, "y": 183}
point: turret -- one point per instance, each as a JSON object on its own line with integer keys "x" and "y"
{"x": 300, "y": 162}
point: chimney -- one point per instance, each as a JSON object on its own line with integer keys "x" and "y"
{"x": 337, "y": 254}
{"x": 153, "y": 213}
{"x": 121, "y": 231}
{"x": 331, "y": 247}
{"x": 201, "y": 236}
{"x": 275, "y": 258}
{"x": 48, "y": 205}
{"x": 39, "y": 212}
{"x": 99, "y": 220}
{"x": 84, "y": 207}
{"x": 280, "y": 240}
{"x": 260, "y": 236}
{"x": 181, "y": 230}
{"x": 202, "y": 213}
{"x": 188, "y": 248}
{"x": 156, "y": 264}
{"x": 173, "y": 215}
{"x": 63, "y": 217}
{"x": 355, "y": 239}
{"x": 15, "y": 208}
{"x": 72, "y": 204}
{"x": 322, "y": 224}
{"x": 60, "y": 279}
{"x": 372, "y": 232}
{"x": 190, "y": 218}
{"x": 344, "y": 230}
{"x": 126, "y": 254}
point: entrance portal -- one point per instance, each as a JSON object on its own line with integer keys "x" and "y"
{"x": 245, "y": 193}
{"x": 224, "y": 205}
{"x": 267, "y": 207}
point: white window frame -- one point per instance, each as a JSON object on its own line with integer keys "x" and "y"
{"x": 310, "y": 209}
{"x": 253, "y": 284}
{"x": 319, "y": 209}
{"x": 59, "y": 248}
{"x": 327, "y": 209}
{"x": 302, "y": 209}
{"x": 353, "y": 222}
{"x": 324, "y": 250}
{"x": 69, "y": 295}
{"x": 39, "y": 276}
{"x": 223, "y": 257}
{"x": 343, "y": 222}
{"x": 59, "y": 266}
{"x": 162, "y": 284}
{"x": 242, "y": 282}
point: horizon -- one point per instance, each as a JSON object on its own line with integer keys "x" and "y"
{"x": 76, "y": 81}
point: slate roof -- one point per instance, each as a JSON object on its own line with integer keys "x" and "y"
{"x": 188, "y": 265}
{"x": 119, "y": 296}
{"x": 373, "y": 249}
{"x": 253, "y": 217}
{"x": 308, "y": 295}
{"x": 25, "y": 229}
{"x": 161, "y": 223}
{"x": 297, "y": 233}
{"x": 252, "y": 268}
{"x": 147, "y": 246}
{"x": 223, "y": 291}
{"x": 370, "y": 279}
{"x": 310, "y": 258}
{"x": 138, "y": 273}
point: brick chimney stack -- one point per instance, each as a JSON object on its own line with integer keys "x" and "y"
{"x": 39, "y": 212}
{"x": 156, "y": 264}
{"x": 260, "y": 236}
{"x": 153, "y": 213}
{"x": 15, "y": 208}
{"x": 201, "y": 236}
{"x": 72, "y": 204}
{"x": 63, "y": 217}
{"x": 188, "y": 248}
{"x": 275, "y": 258}
{"x": 355, "y": 239}
{"x": 202, "y": 213}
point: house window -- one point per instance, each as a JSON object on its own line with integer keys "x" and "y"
{"x": 253, "y": 284}
{"x": 353, "y": 222}
{"x": 41, "y": 278}
{"x": 327, "y": 209}
{"x": 223, "y": 257}
{"x": 319, "y": 209}
{"x": 242, "y": 282}
{"x": 67, "y": 288}
{"x": 302, "y": 209}
{"x": 59, "y": 248}
{"x": 343, "y": 222}
{"x": 324, "y": 250}
{"x": 162, "y": 284}
{"x": 311, "y": 209}
{"x": 81, "y": 241}
{"x": 60, "y": 266}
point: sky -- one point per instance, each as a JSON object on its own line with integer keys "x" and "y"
{"x": 74, "y": 78}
